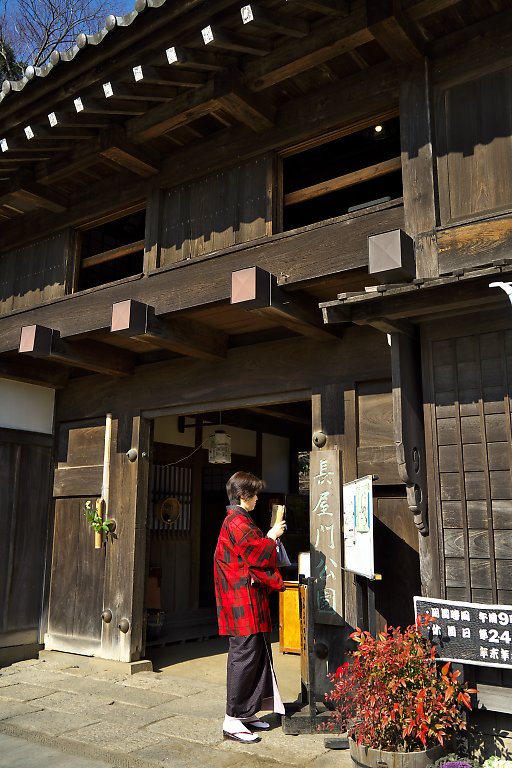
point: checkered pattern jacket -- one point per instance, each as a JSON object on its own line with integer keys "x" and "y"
{"x": 245, "y": 571}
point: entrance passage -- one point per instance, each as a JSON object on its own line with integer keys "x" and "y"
{"x": 187, "y": 504}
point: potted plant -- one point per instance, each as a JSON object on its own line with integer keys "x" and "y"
{"x": 394, "y": 697}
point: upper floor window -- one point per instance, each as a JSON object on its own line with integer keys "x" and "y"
{"x": 112, "y": 251}
{"x": 343, "y": 175}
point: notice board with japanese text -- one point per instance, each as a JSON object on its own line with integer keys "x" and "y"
{"x": 358, "y": 527}
{"x": 472, "y": 633}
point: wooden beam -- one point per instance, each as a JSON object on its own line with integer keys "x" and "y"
{"x": 277, "y": 22}
{"x": 112, "y": 106}
{"x": 40, "y": 341}
{"x": 331, "y": 38}
{"x": 139, "y": 91}
{"x": 123, "y": 153}
{"x": 256, "y": 290}
{"x": 42, "y": 373}
{"x": 326, "y": 7}
{"x": 385, "y": 325}
{"x": 23, "y": 188}
{"x": 394, "y": 32}
{"x": 187, "y": 337}
{"x": 112, "y": 254}
{"x": 341, "y": 182}
{"x": 246, "y": 44}
{"x": 202, "y": 59}
{"x": 420, "y": 9}
{"x": 246, "y": 107}
{"x": 75, "y": 120}
{"x": 171, "y": 75}
{"x": 184, "y": 109}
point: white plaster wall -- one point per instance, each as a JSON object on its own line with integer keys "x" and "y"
{"x": 276, "y": 463}
{"x": 243, "y": 441}
{"x": 166, "y": 431}
{"x": 26, "y": 406}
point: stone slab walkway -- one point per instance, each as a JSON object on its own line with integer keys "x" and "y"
{"x": 170, "y": 717}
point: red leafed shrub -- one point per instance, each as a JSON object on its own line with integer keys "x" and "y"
{"x": 394, "y": 695}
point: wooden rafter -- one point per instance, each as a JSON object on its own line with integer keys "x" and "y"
{"x": 223, "y": 93}
{"x": 171, "y": 75}
{"x": 141, "y": 91}
{"x": 24, "y": 188}
{"x": 278, "y": 22}
{"x": 331, "y": 38}
{"x": 394, "y": 32}
{"x": 139, "y": 321}
{"x": 327, "y": 7}
{"x": 22, "y": 369}
{"x": 256, "y": 290}
{"x": 40, "y": 341}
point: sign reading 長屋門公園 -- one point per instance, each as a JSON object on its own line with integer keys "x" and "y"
{"x": 326, "y": 554}
{"x": 472, "y": 633}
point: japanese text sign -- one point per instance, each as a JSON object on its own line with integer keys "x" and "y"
{"x": 358, "y": 526}
{"x": 326, "y": 536}
{"x": 473, "y": 633}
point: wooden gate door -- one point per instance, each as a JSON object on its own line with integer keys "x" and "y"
{"x": 78, "y": 569}
{"x": 470, "y": 382}
{"x": 96, "y": 595}
{"x": 25, "y": 463}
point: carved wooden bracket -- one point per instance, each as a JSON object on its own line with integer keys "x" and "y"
{"x": 408, "y": 425}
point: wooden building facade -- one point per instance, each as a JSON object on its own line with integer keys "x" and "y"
{"x": 280, "y": 219}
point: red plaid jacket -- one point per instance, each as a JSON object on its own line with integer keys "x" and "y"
{"x": 245, "y": 571}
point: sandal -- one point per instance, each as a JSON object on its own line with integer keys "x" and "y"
{"x": 244, "y": 736}
{"x": 257, "y": 724}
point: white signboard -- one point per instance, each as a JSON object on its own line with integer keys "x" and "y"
{"x": 358, "y": 527}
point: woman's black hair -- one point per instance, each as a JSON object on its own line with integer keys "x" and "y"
{"x": 243, "y": 485}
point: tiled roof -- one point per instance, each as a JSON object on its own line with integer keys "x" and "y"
{"x": 82, "y": 42}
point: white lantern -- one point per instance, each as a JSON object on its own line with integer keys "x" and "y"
{"x": 219, "y": 448}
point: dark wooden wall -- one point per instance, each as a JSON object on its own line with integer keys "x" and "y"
{"x": 25, "y": 464}
{"x": 474, "y": 146}
{"x": 35, "y": 273}
{"x": 469, "y": 380}
{"x": 229, "y": 207}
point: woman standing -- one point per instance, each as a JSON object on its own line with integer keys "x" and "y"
{"x": 245, "y": 570}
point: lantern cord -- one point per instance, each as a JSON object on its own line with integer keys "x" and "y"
{"x": 173, "y": 463}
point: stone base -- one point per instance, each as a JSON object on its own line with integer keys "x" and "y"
{"x": 93, "y": 663}
{"x": 15, "y": 653}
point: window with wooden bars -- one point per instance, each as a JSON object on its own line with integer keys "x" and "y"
{"x": 112, "y": 250}
{"x": 346, "y": 174}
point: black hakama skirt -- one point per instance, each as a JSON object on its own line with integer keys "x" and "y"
{"x": 251, "y": 682}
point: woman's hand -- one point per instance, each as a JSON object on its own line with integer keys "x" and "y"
{"x": 277, "y": 530}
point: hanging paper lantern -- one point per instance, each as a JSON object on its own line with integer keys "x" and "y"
{"x": 219, "y": 448}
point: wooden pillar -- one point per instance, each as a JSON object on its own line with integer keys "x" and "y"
{"x": 152, "y": 234}
{"x": 125, "y": 556}
{"x": 195, "y": 525}
{"x": 418, "y": 171}
{"x": 330, "y": 630}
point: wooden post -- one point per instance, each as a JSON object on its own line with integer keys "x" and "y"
{"x": 330, "y": 631}
{"x": 418, "y": 172}
{"x": 124, "y": 574}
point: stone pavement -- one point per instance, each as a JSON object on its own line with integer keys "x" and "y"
{"x": 168, "y": 717}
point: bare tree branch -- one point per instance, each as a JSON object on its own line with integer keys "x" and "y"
{"x": 41, "y": 26}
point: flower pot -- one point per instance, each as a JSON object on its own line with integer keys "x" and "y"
{"x": 366, "y": 757}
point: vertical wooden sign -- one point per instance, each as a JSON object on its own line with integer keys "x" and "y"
{"x": 325, "y": 535}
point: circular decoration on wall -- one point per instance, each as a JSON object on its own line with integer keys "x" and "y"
{"x": 168, "y": 510}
